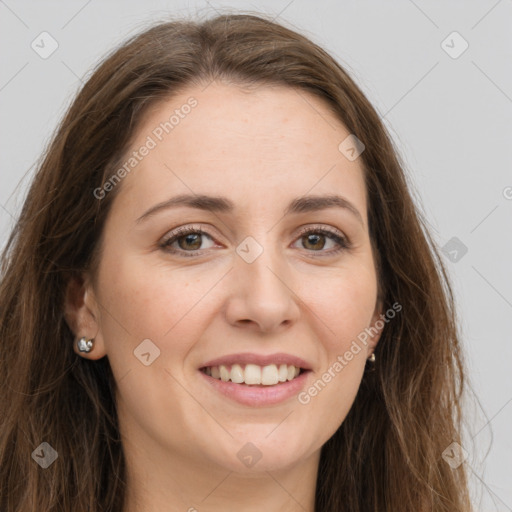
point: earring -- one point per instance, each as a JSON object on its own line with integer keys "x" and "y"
{"x": 372, "y": 358}
{"x": 85, "y": 345}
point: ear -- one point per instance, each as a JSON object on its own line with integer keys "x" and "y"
{"x": 82, "y": 314}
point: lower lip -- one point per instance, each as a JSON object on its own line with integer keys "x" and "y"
{"x": 258, "y": 396}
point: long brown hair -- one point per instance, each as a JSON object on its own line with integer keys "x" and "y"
{"x": 386, "y": 455}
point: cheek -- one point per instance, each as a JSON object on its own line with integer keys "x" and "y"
{"x": 153, "y": 302}
{"x": 347, "y": 304}
{"x": 346, "y": 311}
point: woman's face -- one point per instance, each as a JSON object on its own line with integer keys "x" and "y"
{"x": 267, "y": 286}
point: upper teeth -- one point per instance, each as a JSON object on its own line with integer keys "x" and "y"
{"x": 253, "y": 374}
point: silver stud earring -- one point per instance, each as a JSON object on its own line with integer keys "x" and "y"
{"x": 372, "y": 358}
{"x": 85, "y": 345}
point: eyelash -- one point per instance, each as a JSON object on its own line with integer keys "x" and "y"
{"x": 343, "y": 242}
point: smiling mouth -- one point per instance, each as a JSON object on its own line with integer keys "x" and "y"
{"x": 253, "y": 374}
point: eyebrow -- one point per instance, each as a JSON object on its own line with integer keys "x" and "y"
{"x": 224, "y": 205}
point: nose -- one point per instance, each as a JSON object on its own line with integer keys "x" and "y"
{"x": 262, "y": 296}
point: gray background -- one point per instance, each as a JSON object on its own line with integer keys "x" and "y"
{"x": 451, "y": 119}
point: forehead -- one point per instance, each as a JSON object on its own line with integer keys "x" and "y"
{"x": 266, "y": 143}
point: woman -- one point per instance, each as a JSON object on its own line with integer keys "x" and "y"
{"x": 220, "y": 295}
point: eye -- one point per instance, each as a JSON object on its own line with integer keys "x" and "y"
{"x": 316, "y": 239}
{"x": 188, "y": 241}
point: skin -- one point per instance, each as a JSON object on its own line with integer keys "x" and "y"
{"x": 261, "y": 148}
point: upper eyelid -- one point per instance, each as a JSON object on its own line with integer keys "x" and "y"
{"x": 305, "y": 228}
{"x": 201, "y": 228}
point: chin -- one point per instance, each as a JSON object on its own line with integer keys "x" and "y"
{"x": 259, "y": 450}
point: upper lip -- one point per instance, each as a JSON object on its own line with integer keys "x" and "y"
{"x": 258, "y": 359}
